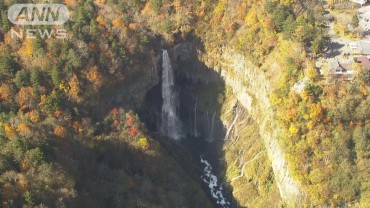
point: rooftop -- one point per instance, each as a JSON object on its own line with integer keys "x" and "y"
{"x": 364, "y": 61}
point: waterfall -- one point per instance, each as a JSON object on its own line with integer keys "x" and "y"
{"x": 211, "y": 129}
{"x": 195, "y": 118}
{"x": 232, "y": 124}
{"x": 170, "y": 123}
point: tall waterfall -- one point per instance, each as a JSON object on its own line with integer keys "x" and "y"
{"x": 170, "y": 123}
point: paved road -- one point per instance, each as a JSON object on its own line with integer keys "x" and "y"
{"x": 338, "y": 46}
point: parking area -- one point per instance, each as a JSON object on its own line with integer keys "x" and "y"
{"x": 344, "y": 49}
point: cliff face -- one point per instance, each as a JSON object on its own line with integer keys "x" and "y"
{"x": 131, "y": 87}
{"x": 252, "y": 88}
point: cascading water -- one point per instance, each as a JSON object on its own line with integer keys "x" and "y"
{"x": 195, "y": 118}
{"x": 171, "y": 127}
{"x": 210, "y": 137}
{"x": 216, "y": 190}
{"x": 170, "y": 123}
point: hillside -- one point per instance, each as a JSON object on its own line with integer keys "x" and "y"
{"x": 80, "y": 117}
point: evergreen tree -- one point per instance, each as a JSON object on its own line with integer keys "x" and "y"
{"x": 36, "y": 78}
{"x": 7, "y": 65}
{"x": 56, "y": 75}
{"x": 318, "y": 45}
{"x": 289, "y": 27}
{"x": 38, "y": 47}
{"x": 355, "y": 21}
{"x": 4, "y": 21}
{"x": 22, "y": 78}
{"x": 156, "y": 4}
{"x": 74, "y": 61}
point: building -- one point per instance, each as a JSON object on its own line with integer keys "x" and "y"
{"x": 342, "y": 71}
{"x": 347, "y": 71}
{"x": 364, "y": 61}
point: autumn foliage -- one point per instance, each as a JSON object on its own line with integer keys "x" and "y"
{"x": 60, "y": 132}
{"x": 74, "y": 86}
{"x": 5, "y": 93}
{"x": 26, "y": 97}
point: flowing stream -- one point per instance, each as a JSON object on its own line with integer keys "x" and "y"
{"x": 170, "y": 123}
{"x": 216, "y": 190}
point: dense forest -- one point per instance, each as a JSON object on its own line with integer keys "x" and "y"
{"x": 64, "y": 143}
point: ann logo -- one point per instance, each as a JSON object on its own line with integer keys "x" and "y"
{"x": 38, "y": 14}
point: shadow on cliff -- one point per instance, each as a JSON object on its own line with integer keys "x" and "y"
{"x": 201, "y": 94}
{"x": 111, "y": 171}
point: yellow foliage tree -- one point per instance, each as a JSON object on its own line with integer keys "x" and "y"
{"x": 293, "y": 130}
{"x": 144, "y": 144}
{"x": 5, "y": 93}
{"x": 310, "y": 125}
{"x": 315, "y": 112}
{"x": 101, "y": 20}
{"x": 24, "y": 129}
{"x": 147, "y": 9}
{"x": 9, "y": 130}
{"x": 251, "y": 18}
{"x": 22, "y": 182}
{"x": 311, "y": 71}
{"x": 26, "y": 49}
{"x": 93, "y": 74}
{"x": 74, "y": 86}
{"x": 117, "y": 22}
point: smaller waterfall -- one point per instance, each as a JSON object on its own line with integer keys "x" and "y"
{"x": 210, "y": 135}
{"x": 178, "y": 101}
{"x": 232, "y": 124}
{"x": 195, "y": 118}
{"x": 170, "y": 123}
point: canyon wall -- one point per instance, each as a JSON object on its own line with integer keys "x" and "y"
{"x": 252, "y": 89}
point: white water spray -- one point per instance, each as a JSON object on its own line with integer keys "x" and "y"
{"x": 216, "y": 190}
{"x": 170, "y": 123}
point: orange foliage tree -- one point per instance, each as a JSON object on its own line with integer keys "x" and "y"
{"x": 33, "y": 116}
{"x": 101, "y": 20}
{"x": 24, "y": 129}
{"x": 133, "y": 131}
{"x": 130, "y": 120}
{"x": 60, "y": 132}
{"x": 133, "y": 26}
{"x": 26, "y": 97}
{"x": 5, "y": 93}
{"x": 94, "y": 76}
{"x": 9, "y": 129}
{"x": 117, "y": 22}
